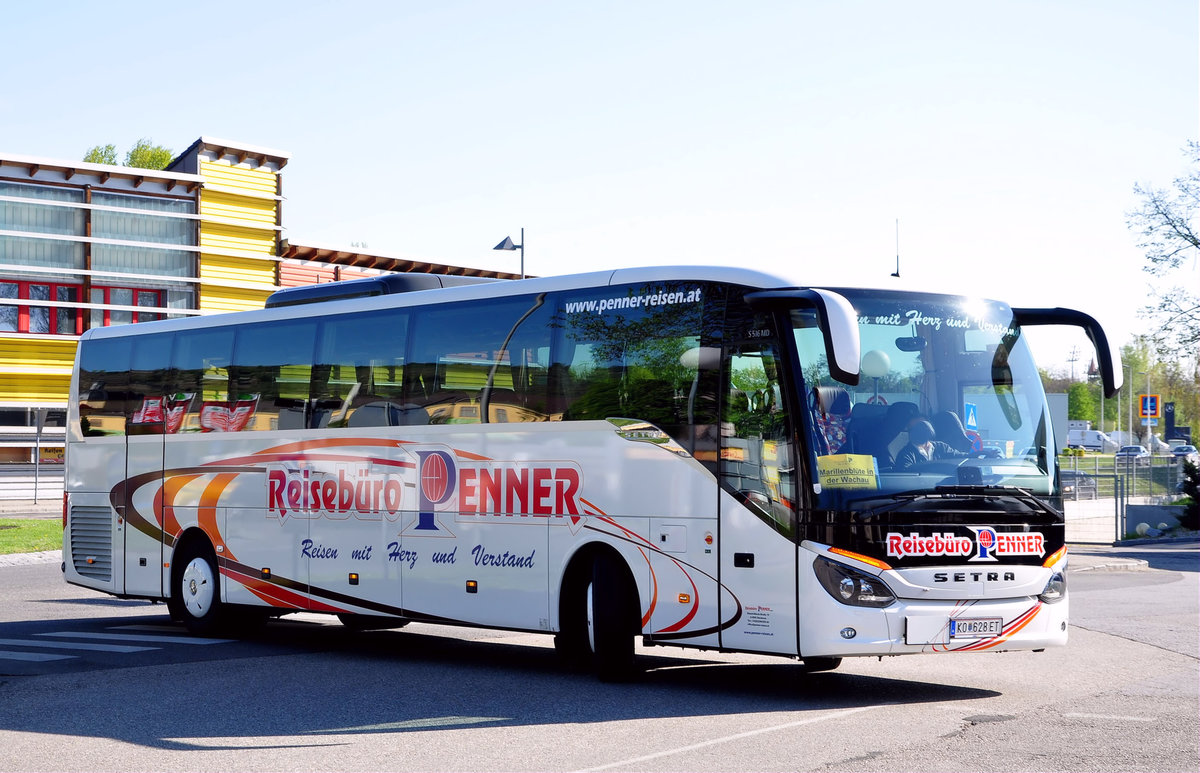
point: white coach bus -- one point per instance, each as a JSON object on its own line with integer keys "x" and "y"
{"x": 702, "y": 457}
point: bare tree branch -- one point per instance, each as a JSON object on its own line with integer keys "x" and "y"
{"x": 1167, "y": 233}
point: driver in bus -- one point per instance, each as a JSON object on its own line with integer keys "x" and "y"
{"x": 923, "y": 447}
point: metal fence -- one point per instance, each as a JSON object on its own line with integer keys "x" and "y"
{"x": 32, "y": 482}
{"x": 1103, "y": 487}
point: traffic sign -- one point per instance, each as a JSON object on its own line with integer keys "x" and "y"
{"x": 1148, "y": 406}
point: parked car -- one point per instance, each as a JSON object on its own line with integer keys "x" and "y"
{"x": 1186, "y": 452}
{"x": 1078, "y": 485}
{"x": 1132, "y": 455}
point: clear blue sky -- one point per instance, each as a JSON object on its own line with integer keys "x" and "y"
{"x": 786, "y": 136}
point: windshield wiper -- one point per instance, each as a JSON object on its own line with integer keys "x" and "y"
{"x": 1019, "y": 494}
{"x": 890, "y": 501}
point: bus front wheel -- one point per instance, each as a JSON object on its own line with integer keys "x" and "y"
{"x": 612, "y": 619}
{"x": 358, "y": 623}
{"x": 813, "y": 665}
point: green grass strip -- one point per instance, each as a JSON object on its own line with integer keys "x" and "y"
{"x": 30, "y": 535}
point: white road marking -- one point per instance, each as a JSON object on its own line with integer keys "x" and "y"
{"x": 725, "y": 739}
{"x": 135, "y": 637}
{"x": 413, "y": 724}
{"x": 37, "y": 657}
{"x": 73, "y": 645}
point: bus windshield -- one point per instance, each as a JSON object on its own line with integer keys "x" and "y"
{"x": 948, "y": 396}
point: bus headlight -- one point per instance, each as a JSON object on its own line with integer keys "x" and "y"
{"x": 1055, "y": 590}
{"x": 850, "y": 586}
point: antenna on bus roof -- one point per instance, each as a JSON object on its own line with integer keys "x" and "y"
{"x": 897, "y": 272}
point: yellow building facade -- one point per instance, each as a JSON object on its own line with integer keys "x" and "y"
{"x": 84, "y": 245}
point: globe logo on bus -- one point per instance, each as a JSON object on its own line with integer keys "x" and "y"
{"x": 986, "y": 543}
{"x": 435, "y": 478}
{"x": 436, "y": 470}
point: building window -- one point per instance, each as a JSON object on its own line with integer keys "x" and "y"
{"x": 9, "y": 314}
{"x": 38, "y": 318}
{"x": 127, "y": 297}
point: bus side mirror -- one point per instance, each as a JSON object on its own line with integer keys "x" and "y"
{"x": 1110, "y": 358}
{"x": 838, "y": 320}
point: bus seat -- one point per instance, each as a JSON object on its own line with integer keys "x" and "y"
{"x": 950, "y": 430}
{"x": 896, "y": 420}
{"x": 384, "y": 413}
{"x": 831, "y": 405}
{"x": 289, "y": 412}
{"x": 873, "y": 427}
{"x": 290, "y": 417}
{"x": 866, "y": 421}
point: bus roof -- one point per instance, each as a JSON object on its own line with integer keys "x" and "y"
{"x": 405, "y": 290}
{"x": 384, "y": 284}
{"x": 457, "y": 292}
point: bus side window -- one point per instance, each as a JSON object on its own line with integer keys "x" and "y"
{"x": 200, "y": 364}
{"x": 466, "y": 354}
{"x": 150, "y": 404}
{"x": 269, "y": 380}
{"x": 519, "y": 387}
{"x": 622, "y": 356}
{"x": 358, "y": 379}
{"x": 103, "y": 386}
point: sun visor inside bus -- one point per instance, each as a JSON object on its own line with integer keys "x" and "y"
{"x": 386, "y": 284}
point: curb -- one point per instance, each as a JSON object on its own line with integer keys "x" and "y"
{"x": 1129, "y": 543}
{"x": 29, "y": 559}
{"x": 25, "y": 508}
{"x": 1119, "y": 565}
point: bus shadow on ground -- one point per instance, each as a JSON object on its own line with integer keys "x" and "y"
{"x": 412, "y": 680}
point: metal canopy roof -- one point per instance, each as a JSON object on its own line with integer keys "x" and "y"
{"x": 341, "y": 257}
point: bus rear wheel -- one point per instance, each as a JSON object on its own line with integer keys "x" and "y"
{"x": 197, "y": 592}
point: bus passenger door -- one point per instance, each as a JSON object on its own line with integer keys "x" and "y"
{"x": 137, "y": 518}
{"x": 757, "y": 505}
{"x": 140, "y": 519}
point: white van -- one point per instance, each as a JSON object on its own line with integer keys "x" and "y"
{"x": 1092, "y": 440}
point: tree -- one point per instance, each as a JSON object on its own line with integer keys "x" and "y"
{"x": 1191, "y": 489}
{"x": 1055, "y": 383}
{"x": 1079, "y": 402}
{"x": 1170, "y": 379}
{"x": 144, "y": 155}
{"x": 102, "y": 154}
{"x": 1166, "y": 228}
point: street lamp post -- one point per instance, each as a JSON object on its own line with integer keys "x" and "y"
{"x": 1145, "y": 421}
{"x": 507, "y": 244}
{"x": 1149, "y": 429}
{"x": 1130, "y": 401}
